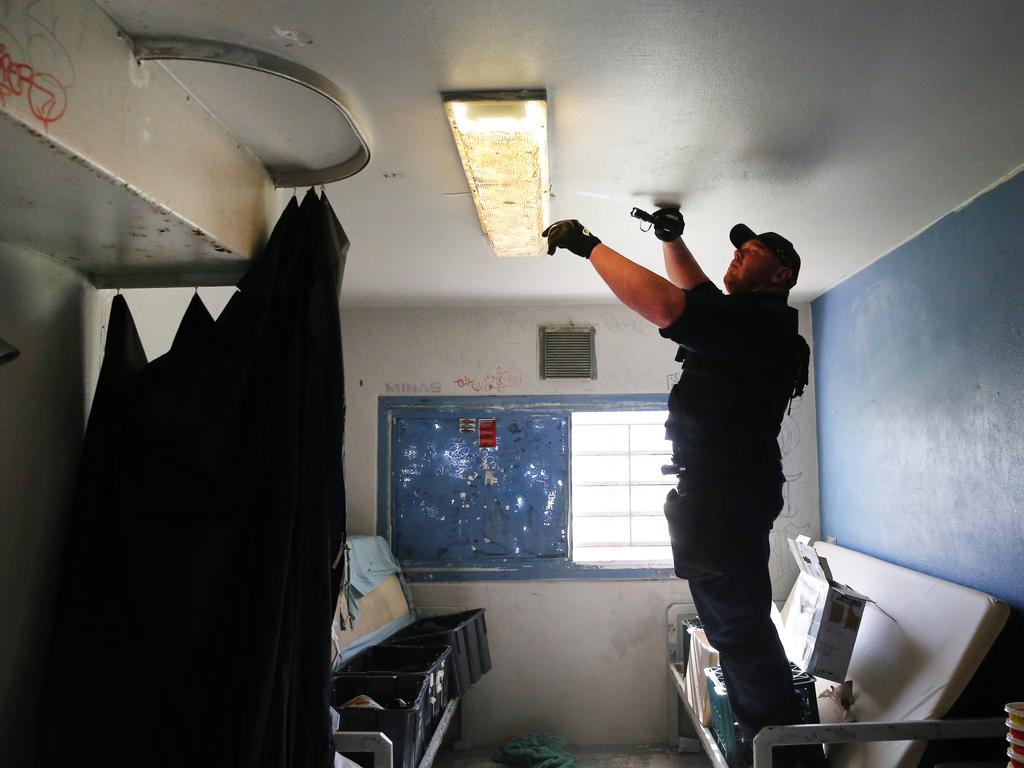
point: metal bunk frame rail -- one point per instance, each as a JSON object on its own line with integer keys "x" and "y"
{"x": 835, "y": 733}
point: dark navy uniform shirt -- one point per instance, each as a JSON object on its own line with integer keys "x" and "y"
{"x": 741, "y": 360}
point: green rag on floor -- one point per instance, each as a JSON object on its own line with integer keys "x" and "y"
{"x": 535, "y": 751}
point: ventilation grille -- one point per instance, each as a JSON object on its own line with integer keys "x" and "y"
{"x": 567, "y": 352}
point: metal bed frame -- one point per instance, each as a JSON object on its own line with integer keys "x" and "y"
{"x": 837, "y": 733}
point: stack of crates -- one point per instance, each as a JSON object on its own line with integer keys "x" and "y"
{"x": 412, "y": 675}
{"x": 465, "y": 633}
{"x": 434, "y": 661}
{"x": 723, "y": 722}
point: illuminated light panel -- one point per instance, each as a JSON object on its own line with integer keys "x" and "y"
{"x": 502, "y": 140}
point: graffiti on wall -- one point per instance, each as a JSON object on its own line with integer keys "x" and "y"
{"x": 498, "y": 381}
{"x": 34, "y": 64}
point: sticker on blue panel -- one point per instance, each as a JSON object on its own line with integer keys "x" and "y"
{"x": 488, "y": 433}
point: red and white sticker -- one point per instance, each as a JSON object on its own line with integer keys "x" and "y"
{"x": 467, "y": 425}
{"x": 488, "y": 433}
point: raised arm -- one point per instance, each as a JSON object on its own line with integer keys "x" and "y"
{"x": 650, "y": 295}
{"x": 682, "y": 269}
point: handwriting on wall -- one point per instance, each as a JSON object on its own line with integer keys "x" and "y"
{"x": 412, "y": 387}
{"x": 792, "y": 522}
{"x": 498, "y": 381}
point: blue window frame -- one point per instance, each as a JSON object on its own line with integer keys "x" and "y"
{"x": 453, "y": 510}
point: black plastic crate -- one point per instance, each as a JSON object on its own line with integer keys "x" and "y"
{"x": 484, "y": 647}
{"x": 460, "y": 679}
{"x": 464, "y": 632}
{"x": 407, "y": 727}
{"x": 435, "y": 661}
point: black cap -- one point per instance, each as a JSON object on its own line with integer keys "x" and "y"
{"x": 776, "y": 243}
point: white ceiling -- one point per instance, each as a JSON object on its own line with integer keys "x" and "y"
{"x": 846, "y": 126}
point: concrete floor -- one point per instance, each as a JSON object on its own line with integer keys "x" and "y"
{"x": 586, "y": 757}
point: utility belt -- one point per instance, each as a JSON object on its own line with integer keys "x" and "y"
{"x": 729, "y": 456}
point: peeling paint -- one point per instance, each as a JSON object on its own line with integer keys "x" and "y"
{"x": 138, "y": 72}
{"x": 292, "y": 37}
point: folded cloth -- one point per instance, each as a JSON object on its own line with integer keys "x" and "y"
{"x": 535, "y": 751}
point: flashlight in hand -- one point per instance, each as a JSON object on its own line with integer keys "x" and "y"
{"x": 636, "y": 213}
{"x": 667, "y": 222}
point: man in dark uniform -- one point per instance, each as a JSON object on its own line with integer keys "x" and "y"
{"x": 743, "y": 362}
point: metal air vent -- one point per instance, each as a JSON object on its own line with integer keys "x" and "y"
{"x": 567, "y": 352}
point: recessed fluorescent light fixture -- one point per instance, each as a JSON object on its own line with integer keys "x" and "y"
{"x": 502, "y": 138}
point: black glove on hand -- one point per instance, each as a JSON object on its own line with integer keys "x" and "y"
{"x": 668, "y": 224}
{"x": 572, "y": 235}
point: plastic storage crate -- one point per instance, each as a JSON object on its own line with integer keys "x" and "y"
{"x": 723, "y": 722}
{"x": 435, "y": 661}
{"x": 465, "y": 632}
{"x": 407, "y": 726}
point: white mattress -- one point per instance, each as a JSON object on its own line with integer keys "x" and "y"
{"x": 914, "y": 665}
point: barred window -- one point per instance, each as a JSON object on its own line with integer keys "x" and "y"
{"x": 617, "y": 489}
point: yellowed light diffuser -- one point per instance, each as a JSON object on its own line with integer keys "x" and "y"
{"x": 503, "y": 145}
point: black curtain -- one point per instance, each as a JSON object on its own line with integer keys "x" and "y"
{"x": 204, "y": 555}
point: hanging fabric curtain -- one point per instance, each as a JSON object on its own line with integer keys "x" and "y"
{"x": 205, "y": 550}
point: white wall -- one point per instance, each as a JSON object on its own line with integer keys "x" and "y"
{"x": 583, "y": 659}
{"x": 44, "y": 310}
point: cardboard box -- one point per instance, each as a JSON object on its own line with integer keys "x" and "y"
{"x": 821, "y": 617}
{"x": 702, "y": 655}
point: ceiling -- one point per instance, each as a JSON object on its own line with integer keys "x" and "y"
{"x": 847, "y": 127}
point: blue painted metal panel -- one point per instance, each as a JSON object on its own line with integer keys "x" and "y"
{"x": 920, "y": 400}
{"x": 455, "y": 500}
{"x": 454, "y": 511}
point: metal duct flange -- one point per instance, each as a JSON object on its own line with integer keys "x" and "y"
{"x": 220, "y": 52}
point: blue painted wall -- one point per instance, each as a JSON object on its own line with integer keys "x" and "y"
{"x": 919, "y": 366}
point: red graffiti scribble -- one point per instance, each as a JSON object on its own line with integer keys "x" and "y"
{"x": 498, "y": 381}
{"x": 47, "y": 98}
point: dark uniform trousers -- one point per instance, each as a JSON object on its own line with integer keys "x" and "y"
{"x": 719, "y": 538}
{"x": 735, "y": 609}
